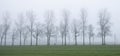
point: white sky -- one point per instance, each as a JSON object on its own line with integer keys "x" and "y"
{"x": 40, "y": 6}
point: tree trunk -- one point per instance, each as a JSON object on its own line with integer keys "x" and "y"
{"x": 1, "y": 40}
{"x": 65, "y": 40}
{"x": 12, "y": 42}
{"x": 5, "y": 39}
{"x": 62, "y": 39}
{"x": 83, "y": 38}
{"x": 36, "y": 41}
{"x": 103, "y": 43}
{"x": 89, "y": 40}
{"x": 20, "y": 38}
{"x": 24, "y": 41}
{"x": 75, "y": 40}
{"x": 104, "y": 40}
{"x": 48, "y": 40}
{"x": 31, "y": 39}
{"x": 93, "y": 40}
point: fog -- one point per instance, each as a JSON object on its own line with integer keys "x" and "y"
{"x": 39, "y": 7}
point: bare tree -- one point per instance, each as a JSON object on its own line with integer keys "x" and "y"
{"x": 20, "y": 25}
{"x": 90, "y": 33}
{"x": 55, "y": 34}
{"x": 31, "y": 17}
{"x": 75, "y": 30}
{"x": 49, "y": 26}
{"x": 6, "y": 26}
{"x": 104, "y": 25}
{"x": 61, "y": 29}
{"x": 25, "y": 34}
{"x": 65, "y": 25}
{"x": 14, "y": 35}
{"x": 38, "y": 31}
{"x": 83, "y": 23}
{"x": 1, "y": 33}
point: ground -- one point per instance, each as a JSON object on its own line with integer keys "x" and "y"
{"x": 60, "y": 51}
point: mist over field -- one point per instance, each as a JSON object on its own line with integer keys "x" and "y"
{"x": 59, "y": 28}
{"x": 57, "y": 10}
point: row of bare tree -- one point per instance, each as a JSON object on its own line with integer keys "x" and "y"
{"x": 34, "y": 30}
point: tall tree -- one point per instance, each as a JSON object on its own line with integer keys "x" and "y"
{"x": 49, "y": 26}
{"x": 104, "y": 25}
{"x": 38, "y": 32}
{"x": 25, "y": 34}
{"x": 55, "y": 34}
{"x": 14, "y": 35}
{"x": 75, "y": 30}
{"x": 90, "y": 33}
{"x": 20, "y": 25}
{"x": 83, "y": 23}
{"x": 61, "y": 30}
{"x": 31, "y": 16}
{"x": 6, "y": 26}
{"x": 65, "y": 25}
{"x": 1, "y": 33}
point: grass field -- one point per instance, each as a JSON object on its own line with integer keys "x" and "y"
{"x": 60, "y": 51}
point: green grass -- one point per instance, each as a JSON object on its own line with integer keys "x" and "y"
{"x": 60, "y": 51}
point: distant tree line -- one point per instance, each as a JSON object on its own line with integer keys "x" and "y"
{"x": 25, "y": 27}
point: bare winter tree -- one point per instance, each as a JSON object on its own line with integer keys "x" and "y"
{"x": 1, "y": 33}
{"x": 55, "y": 34}
{"x": 83, "y": 23}
{"x": 49, "y": 26}
{"x": 61, "y": 30}
{"x": 31, "y": 17}
{"x": 75, "y": 30}
{"x": 38, "y": 31}
{"x": 104, "y": 25}
{"x": 90, "y": 33}
{"x": 6, "y": 26}
{"x": 25, "y": 34}
{"x": 20, "y": 25}
{"x": 65, "y": 25}
{"x": 14, "y": 35}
